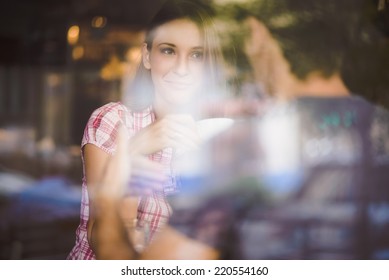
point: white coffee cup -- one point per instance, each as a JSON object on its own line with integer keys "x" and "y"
{"x": 209, "y": 128}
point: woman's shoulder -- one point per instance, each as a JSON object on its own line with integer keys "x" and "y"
{"x": 112, "y": 112}
{"x": 102, "y": 126}
{"x": 111, "y": 107}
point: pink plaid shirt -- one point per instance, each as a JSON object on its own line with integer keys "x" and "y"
{"x": 101, "y": 130}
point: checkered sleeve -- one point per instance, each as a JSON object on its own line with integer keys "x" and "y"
{"x": 103, "y": 125}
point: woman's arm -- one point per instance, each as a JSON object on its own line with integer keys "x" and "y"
{"x": 96, "y": 163}
{"x": 109, "y": 233}
{"x": 173, "y": 245}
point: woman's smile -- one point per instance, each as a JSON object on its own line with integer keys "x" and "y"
{"x": 179, "y": 83}
{"x": 176, "y": 62}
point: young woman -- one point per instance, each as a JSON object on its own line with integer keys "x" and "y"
{"x": 180, "y": 69}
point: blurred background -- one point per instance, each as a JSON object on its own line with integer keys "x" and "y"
{"x": 59, "y": 61}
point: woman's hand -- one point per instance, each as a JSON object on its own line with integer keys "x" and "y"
{"x": 117, "y": 182}
{"x": 176, "y": 131}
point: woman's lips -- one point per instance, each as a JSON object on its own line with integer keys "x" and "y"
{"x": 179, "y": 85}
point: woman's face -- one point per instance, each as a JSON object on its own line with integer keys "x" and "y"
{"x": 176, "y": 62}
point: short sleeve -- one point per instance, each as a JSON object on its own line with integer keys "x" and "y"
{"x": 103, "y": 126}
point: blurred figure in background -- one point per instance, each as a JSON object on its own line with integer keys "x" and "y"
{"x": 308, "y": 178}
{"x": 247, "y": 200}
{"x": 180, "y": 69}
{"x": 299, "y": 50}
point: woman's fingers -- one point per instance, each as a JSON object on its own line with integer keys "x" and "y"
{"x": 183, "y": 134}
{"x": 131, "y": 173}
{"x": 175, "y": 131}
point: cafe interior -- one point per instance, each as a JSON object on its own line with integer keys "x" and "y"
{"x": 59, "y": 61}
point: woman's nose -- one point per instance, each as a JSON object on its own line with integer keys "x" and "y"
{"x": 181, "y": 68}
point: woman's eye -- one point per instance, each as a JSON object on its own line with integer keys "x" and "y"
{"x": 168, "y": 51}
{"x": 197, "y": 55}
